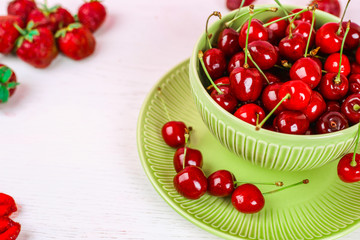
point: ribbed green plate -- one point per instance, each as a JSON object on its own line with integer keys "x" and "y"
{"x": 324, "y": 209}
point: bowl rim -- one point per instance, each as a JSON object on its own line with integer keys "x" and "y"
{"x": 241, "y": 124}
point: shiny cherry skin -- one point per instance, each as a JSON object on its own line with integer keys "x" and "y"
{"x": 353, "y": 38}
{"x": 331, "y": 122}
{"x": 193, "y": 158}
{"x": 354, "y": 83}
{"x": 330, "y": 6}
{"x": 279, "y": 28}
{"x": 236, "y": 61}
{"x": 221, "y": 183}
{"x": 304, "y": 29}
{"x": 246, "y": 84}
{"x": 303, "y": 17}
{"x": 271, "y": 77}
{"x": 235, "y": 4}
{"x": 292, "y": 48}
{"x": 317, "y": 106}
{"x": 300, "y": 94}
{"x": 346, "y": 172}
{"x": 270, "y": 98}
{"x": 173, "y": 133}
{"x": 331, "y": 90}
{"x": 191, "y": 182}
{"x": 327, "y": 38}
{"x": 332, "y": 64}
{"x": 292, "y": 122}
{"x": 228, "y": 42}
{"x": 351, "y": 108}
{"x": 215, "y": 62}
{"x": 247, "y": 198}
{"x": 263, "y": 53}
{"x": 257, "y": 32}
{"x": 306, "y": 70}
{"x": 225, "y": 99}
{"x": 318, "y": 61}
{"x": 355, "y": 68}
{"x": 333, "y": 106}
{"x": 222, "y": 81}
{"x": 250, "y": 113}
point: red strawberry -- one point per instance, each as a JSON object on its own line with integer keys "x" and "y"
{"x": 8, "y": 33}
{"x": 7, "y": 203}
{"x": 21, "y": 8}
{"x": 52, "y": 18}
{"x": 36, "y": 46}
{"x": 92, "y": 14}
{"x": 8, "y": 85}
{"x": 9, "y": 230}
{"x": 76, "y": 41}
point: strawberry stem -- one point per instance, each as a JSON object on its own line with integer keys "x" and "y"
{"x": 353, "y": 162}
{"x": 306, "y": 181}
{"x": 200, "y": 56}
{"x": 337, "y": 79}
{"x": 215, "y": 13}
{"x": 310, "y": 33}
{"x": 342, "y": 18}
{"x": 259, "y": 126}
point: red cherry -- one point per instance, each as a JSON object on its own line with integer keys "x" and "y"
{"x": 353, "y": 38}
{"x": 238, "y": 60}
{"x": 300, "y": 94}
{"x": 235, "y": 4}
{"x": 270, "y": 97}
{"x": 354, "y": 83}
{"x": 193, "y": 158}
{"x": 263, "y": 53}
{"x": 333, "y": 106}
{"x": 225, "y": 99}
{"x": 330, "y": 6}
{"x": 250, "y": 113}
{"x": 246, "y": 84}
{"x": 272, "y": 78}
{"x": 291, "y": 122}
{"x": 304, "y": 29}
{"x": 256, "y": 32}
{"x": 173, "y": 133}
{"x": 331, "y": 89}
{"x": 215, "y": 62}
{"x": 303, "y": 17}
{"x": 191, "y": 182}
{"x": 306, "y": 70}
{"x": 346, "y": 172}
{"x": 318, "y": 61}
{"x": 332, "y": 64}
{"x": 357, "y": 55}
{"x": 316, "y": 107}
{"x": 355, "y": 67}
{"x": 279, "y": 28}
{"x": 247, "y": 198}
{"x": 228, "y": 42}
{"x": 331, "y": 122}
{"x": 327, "y": 38}
{"x": 351, "y": 108}
{"x": 292, "y": 48}
{"x": 221, "y": 183}
{"x": 222, "y": 81}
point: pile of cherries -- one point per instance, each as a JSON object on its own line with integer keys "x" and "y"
{"x": 285, "y": 75}
{"x": 191, "y": 182}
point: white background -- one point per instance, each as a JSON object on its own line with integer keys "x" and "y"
{"x": 68, "y": 136}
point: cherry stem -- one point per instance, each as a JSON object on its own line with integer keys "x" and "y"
{"x": 201, "y": 55}
{"x": 163, "y": 103}
{"x": 251, "y": 12}
{"x": 259, "y": 11}
{"x": 282, "y": 7}
{"x": 280, "y": 19}
{"x": 229, "y": 23}
{"x": 295, "y": 17}
{"x": 257, "y": 66}
{"x": 342, "y": 18}
{"x": 310, "y": 33}
{"x": 187, "y": 135}
{"x": 356, "y": 107}
{"x": 219, "y": 84}
{"x": 257, "y": 118}
{"x": 306, "y": 181}
{"x": 217, "y": 14}
{"x": 278, "y": 184}
{"x": 353, "y": 162}
{"x": 259, "y": 126}
{"x": 337, "y": 79}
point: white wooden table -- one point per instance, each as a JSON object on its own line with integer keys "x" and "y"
{"x": 68, "y": 136}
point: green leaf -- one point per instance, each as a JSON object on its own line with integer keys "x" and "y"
{"x": 20, "y": 41}
{"x": 74, "y": 26}
{"x": 4, "y": 94}
{"x": 53, "y": 9}
{"x": 30, "y": 25}
{"x": 60, "y": 33}
{"x": 5, "y": 74}
{"x": 76, "y": 18}
{"x": 31, "y": 34}
{"x": 12, "y": 85}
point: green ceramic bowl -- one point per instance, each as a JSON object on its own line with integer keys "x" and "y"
{"x": 265, "y": 148}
